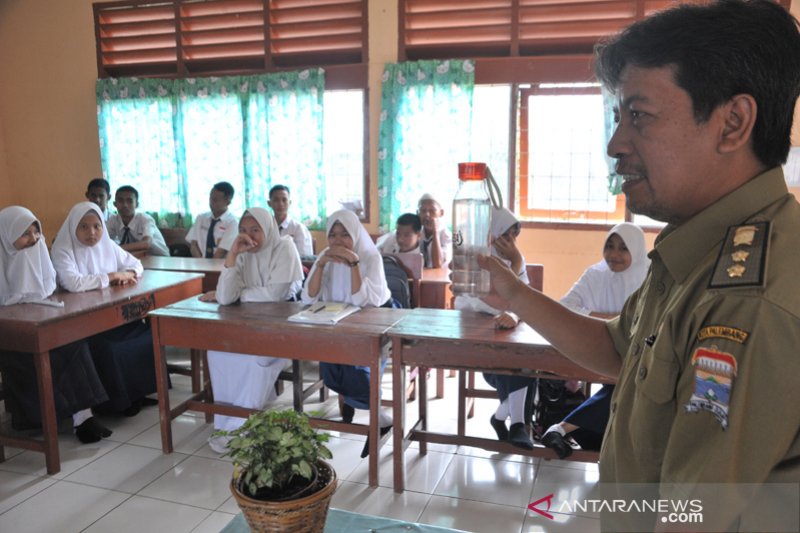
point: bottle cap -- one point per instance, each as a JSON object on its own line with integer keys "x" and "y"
{"x": 471, "y": 171}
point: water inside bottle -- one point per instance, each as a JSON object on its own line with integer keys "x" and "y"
{"x": 471, "y": 224}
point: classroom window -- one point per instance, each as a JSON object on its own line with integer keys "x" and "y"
{"x": 562, "y": 165}
{"x": 343, "y": 149}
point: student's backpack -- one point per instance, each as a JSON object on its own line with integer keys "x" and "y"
{"x": 397, "y": 280}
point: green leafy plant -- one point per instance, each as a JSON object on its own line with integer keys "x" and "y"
{"x": 272, "y": 449}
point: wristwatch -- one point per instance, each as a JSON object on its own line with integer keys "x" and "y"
{"x": 353, "y": 263}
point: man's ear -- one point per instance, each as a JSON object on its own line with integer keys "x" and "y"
{"x": 739, "y": 117}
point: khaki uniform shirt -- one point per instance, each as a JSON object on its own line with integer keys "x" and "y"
{"x": 747, "y": 334}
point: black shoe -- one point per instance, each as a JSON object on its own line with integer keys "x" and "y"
{"x": 98, "y": 428}
{"x": 499, "y": 428}
{"x": 519, "y": 437}
{"x": 348, "y": 412}
{"x": 145, "y": 401}
{"x": 365, "y": 451}
{"x": 133, "y": 409}
{"x": 86, "y": 433}
{"x": 557, "y": 442}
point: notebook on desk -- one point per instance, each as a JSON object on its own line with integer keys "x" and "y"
{"x": 413, "y": 261}
{"x": 324, "y": 313}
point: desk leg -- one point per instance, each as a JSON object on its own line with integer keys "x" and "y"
{"x": 374, "y": 410}
{"x": 423, "y": 408}
{"x": 399, "y": 413}
{"x": 462, "y": 403}
{"x": 44, "y": 380}
{"x": 163, "y": 389}
{"x": 195, "y": 359}
{"x": 440, "y": 383}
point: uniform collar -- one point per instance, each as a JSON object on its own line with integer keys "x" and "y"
{"x": 682, "y": 247}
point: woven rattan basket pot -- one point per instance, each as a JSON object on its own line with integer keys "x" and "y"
{"x": 303, "y": 515}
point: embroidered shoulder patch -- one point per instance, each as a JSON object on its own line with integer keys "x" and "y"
{"x": 723, "y": 332}
{"x": 714, "y": 372}
{"x": 742, "y": 259}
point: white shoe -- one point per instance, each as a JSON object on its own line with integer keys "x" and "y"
{"x": 218, "y": 443}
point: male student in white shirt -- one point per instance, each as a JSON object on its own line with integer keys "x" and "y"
{"x": 406, "y": 237}
{"x": 280, "y": 202}
{"x": 134, "y": 231}
{"x": 99, "y": 191}
{"x": 209, "y": 236}
{"x": 436, "y": 240}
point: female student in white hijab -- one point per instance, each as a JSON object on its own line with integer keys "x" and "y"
{"x": 512, "y": 390}
{"x": 261, "y": 266}
{"x": 85, "y": 258}
{"x": 349, "y": 270}
{"x": 27, "y": 277}
{"x": 601, "y": 292}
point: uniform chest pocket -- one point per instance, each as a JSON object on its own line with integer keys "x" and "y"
{"x": 656, "y": 379}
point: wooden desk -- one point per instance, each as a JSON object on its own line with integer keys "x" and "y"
{"x": 37, "y": 329}
{"x": 210, "y": 268}
{"x": 262, "y": 329}
{"x": 468, "y": 341}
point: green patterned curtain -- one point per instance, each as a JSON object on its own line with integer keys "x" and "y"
{"x": 283, "y": 140}
{"x": 252, "y": 131}
{"x": 609, "y": 125}
{"x": 137, "y": 142}
{"x": 426, "y": 112}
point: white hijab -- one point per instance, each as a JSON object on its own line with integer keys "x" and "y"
{"x": 276, "y": 262}
{"x": 603, "y": 291}
{"x": 335, "y": 286}
{"x": 70, "y": 255}
{"x": 28, "y": 274}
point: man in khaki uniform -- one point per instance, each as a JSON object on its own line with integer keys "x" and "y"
{"x": 706, "y": 352}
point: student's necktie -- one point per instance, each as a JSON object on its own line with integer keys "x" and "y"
{"x": 126, "y": 236}
{"x": 210, "y": 241}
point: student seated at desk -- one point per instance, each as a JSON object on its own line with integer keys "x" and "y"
{"x": 135, "y": 232}
{"x": 99, "y": 191}
{"x": 27, "y": 276}
{"x": 406, "y": 237}
{"x": 349, "y": 270}
{"x": 601, "y": 292}
{"x": 261, "y": 266}
{"x": 437, "y": 243}
{"x": 512, "y": 390}
{"x": 213, "y": 232}
{"x": 280, "y": 202}
{"x": 85, "y": 258}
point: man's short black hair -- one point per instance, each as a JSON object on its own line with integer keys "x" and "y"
{"x": 279, "y": 188}
{"x": 129, "y": 188}
{"x": 99, "y": 182}
{"x": 410, "y": 219}
{"x": 225, "y": 188}
{"x": 718, "y": 51}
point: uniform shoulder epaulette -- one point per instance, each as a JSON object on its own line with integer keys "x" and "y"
{"x": 742, "y": 260}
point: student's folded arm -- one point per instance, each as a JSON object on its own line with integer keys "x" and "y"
{"x": 272, "y": 292}
{"x": 312, "y": 289}
{"x": 73, "y": 281}
{"x": 127, "y": 262}
{"x": 229, "y": 286}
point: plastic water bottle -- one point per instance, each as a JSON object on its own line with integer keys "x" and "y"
{"x": 472, "y": 212}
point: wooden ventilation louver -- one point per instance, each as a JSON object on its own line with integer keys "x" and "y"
{"x": 135, "y": 38}
{"x": 508, "y": 28}
{"x": 317, "y": 32}
{"x": 456, "y": 28}
{"x": 188, "y": 37}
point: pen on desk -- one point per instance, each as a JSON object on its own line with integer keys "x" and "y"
{"x": 318, "y": 309}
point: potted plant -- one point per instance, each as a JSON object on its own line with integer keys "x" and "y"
{"x": 280, "y": 480}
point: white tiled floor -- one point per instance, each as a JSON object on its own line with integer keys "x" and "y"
{"x": 125, "y": 483}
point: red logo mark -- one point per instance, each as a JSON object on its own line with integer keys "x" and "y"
{"x": 548, "y": 499}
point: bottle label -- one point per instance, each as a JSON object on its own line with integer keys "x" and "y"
{"x": 458, "y": 238}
